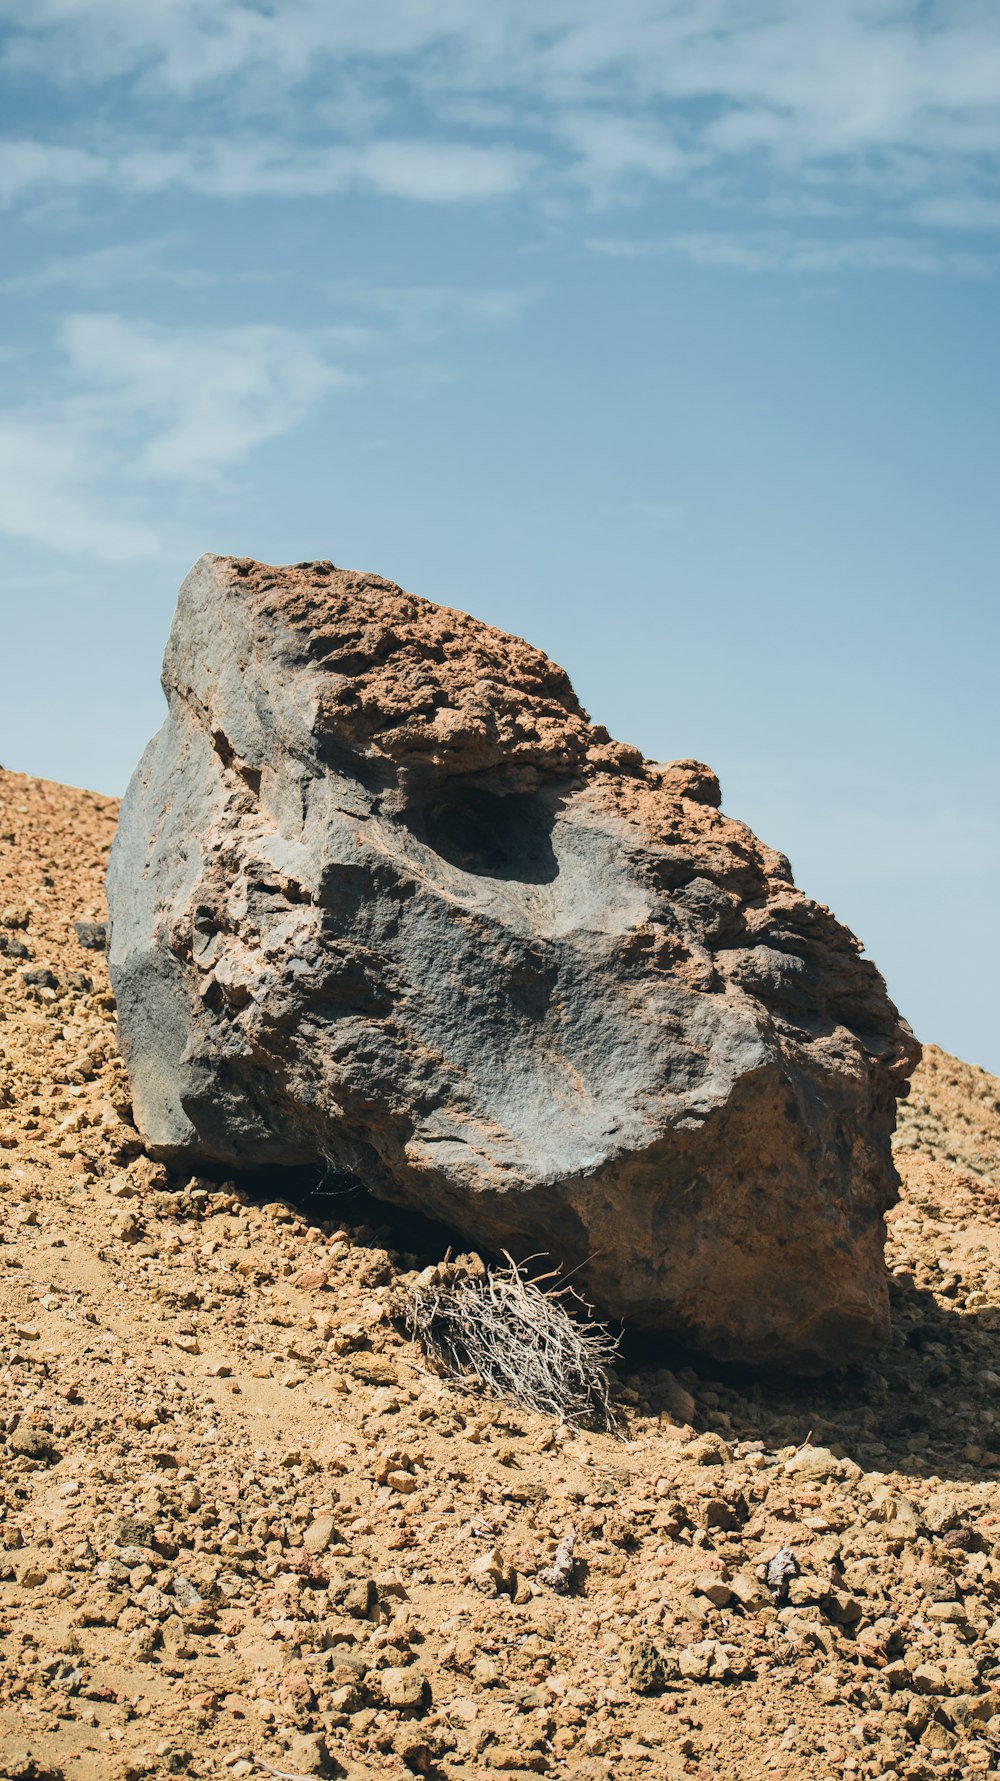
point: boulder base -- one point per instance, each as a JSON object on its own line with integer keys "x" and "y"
{"x": 382, "y": 896}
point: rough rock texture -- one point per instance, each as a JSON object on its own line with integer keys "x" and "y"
{"x": 382, "y": 895}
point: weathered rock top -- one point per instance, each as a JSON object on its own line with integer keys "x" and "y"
{"x": 437, "y": 693}
{"x": 415, "y": 682}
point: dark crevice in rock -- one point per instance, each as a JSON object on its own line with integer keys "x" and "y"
{"x": 489, "y": 835}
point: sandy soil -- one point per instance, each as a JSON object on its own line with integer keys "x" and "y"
{"x": 246, "y": 1530}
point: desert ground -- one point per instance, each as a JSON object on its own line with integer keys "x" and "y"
{"x": 248, "y": 1529}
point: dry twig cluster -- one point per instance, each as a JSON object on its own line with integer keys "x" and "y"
{"x": 537, "y": 1346}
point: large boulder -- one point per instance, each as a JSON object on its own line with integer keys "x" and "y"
{"x": 382, "y": 896}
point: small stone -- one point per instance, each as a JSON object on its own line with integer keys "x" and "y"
{"x": 780, "y": 1571}
{"x": 390, "y": 1463}
{"x": 415, "y": 1751}
{"x": 708, "y": 1450}
{"x": 805, "y": 1589}
{"x": 491, "y": 1569}
{"x": 92, "y": 935}
{"x": 842, "y": 1609}
{"x": 348, "y": 1698}
{"x": 645, "y": 1671}
{"x": 354, "y": 1596}
{"x": 961, "y": 1539}
{"x": 532, "y": 1700}
{"x": 175, "y": 1638}
{"x": 694, "y": 1662}
{"x": 404, "y": 1483}
{"x": 897, "y": 1674}
{"x": 141, "y": 1645}
{"x": 750, "y": 1594}
{"x": 403, "y": 1690}
{"x": 714, "y": 1588}
{"x": 31, "y": 1443}
{"x": 707, "y": 1661}
{"x": 186, "y": 1594}
{"x": 319, "y": 1534}
{"x": 561, "y": 1574}
{"x": 948, "y": 1611}
{"x": 961, "y": 1674}
{"x": 188, "y": 1344}
{"x": 308, "y": 1754}
{"x": 678, "y": 1403}
{"x": 508, "y": 1758}
{"x": 716, "y": 1512}
{"x": 813, "y": 1463}
{"x": 390, "y": 1585}
{"x": 20, "y": 1765}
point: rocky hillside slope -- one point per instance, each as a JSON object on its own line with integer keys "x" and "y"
{"x": 245, "y": 1529}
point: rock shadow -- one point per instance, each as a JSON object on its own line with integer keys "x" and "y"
{"x": 490, "y": 835}
{"x": 329, "y": 1199}
{"x": 926, "y": 1405}
{"x": 923, "y": 1406}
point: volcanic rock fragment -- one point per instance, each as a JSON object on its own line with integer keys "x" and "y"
{"x": 382, "y": 895}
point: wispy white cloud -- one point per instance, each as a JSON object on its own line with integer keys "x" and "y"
{"x": 424, "y": 170}
{"x": 428, "y": 171}
{"x": 198, "y": 400}
{"x": 105, "y": 268}
{"x": 609, "y": 149}
{"x": 424, "y": 312}
{"x": 29, "y": 168}
{"x": 439, "y": 172}
{"x": 50, "y": 490}
{"x": 140, "y": 405}
{"x": 754, "y": 253}
{"x": 957, "y": 210}
{"x": 307, "y": 97}
{"x": 130, "y": 408}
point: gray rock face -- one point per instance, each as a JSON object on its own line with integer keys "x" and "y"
{"x": 382, "y": 895}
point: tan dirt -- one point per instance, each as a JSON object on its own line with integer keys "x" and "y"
{"x": 245, "y": 1528}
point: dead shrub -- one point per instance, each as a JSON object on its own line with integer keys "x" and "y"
{"x": 523, "y": 1339}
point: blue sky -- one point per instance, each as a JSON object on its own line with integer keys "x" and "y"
{"x": 663, "y": 333}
